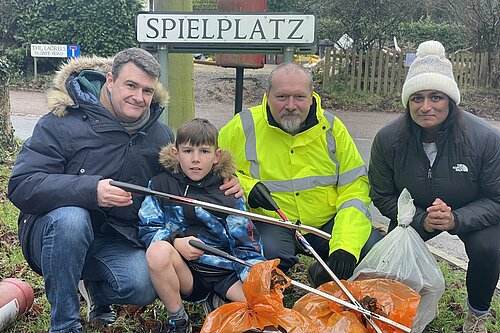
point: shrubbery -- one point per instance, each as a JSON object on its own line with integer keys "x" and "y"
{"x": 100, "y": 28}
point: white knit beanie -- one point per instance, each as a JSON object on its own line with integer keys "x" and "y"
{"x": 430, "y": 71}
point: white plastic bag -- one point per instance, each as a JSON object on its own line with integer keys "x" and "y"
{"x": 403, "y": 256}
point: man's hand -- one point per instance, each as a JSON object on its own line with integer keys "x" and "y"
{"x": 257, "y": 200}
{"x": 232, "y": 186}
{"x": 186, "y": 250}
{"x": 439, "y": 217}
{"x": 342, "y": 263}
{"x": 112, "y": 196}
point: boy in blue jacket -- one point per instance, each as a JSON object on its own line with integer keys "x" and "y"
{"x": 194, "y": 168}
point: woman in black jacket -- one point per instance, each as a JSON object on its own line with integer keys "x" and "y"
{"x": 449, "y": 160}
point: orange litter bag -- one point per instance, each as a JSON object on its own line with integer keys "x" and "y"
{"x": 263, "y": 290}
{"x": 388, "y": 298}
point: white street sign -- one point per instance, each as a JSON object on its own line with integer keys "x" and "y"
{"x": 223, "y": 28}
{"x": 55, "y": 50}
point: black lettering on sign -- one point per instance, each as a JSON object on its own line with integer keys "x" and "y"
{"x": 222, "y": 28}
{"x": 237, "y": 31}
{"x": 193, "y": 26}
{"x": 153, "y": 28}
{"x": 299, "y": 23}
{"x": 166, "y": 28}
{"x": 181, "y": 28}
{"x": 205, "y": 21}
{"x": 276, "y": 27}
{"x": 257, "y": 28}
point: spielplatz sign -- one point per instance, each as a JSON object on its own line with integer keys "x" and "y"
{"x": 238, "y": 31}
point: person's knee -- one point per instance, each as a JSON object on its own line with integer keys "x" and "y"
{"x": 160, "y": 255}
{"x": 138, "y": 290}
{"x": 71, "y": 218}
{"x": 68, "y": 222}
{"x": 486, "y": 252}
{"x": 374, "y": 237}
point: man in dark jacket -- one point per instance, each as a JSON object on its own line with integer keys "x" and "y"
{"x": 102, "y": 126}
{"x": 74, "y": 225}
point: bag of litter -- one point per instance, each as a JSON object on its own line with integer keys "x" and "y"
{"x": 388, "y": 298}
{"x": 264, "y": 308}
{"x": 403, "y": 256}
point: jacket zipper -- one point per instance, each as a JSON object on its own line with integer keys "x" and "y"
{"x": 186, "y": 190}
{"x": 429, "y": 174}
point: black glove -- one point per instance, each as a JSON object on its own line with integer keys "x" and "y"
{"x": 341, "y": 262}
{"x": 257, "y": 197}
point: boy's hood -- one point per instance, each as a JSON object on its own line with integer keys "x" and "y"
{"x": 224, "y": 169}
{"x": 58, "y": 98}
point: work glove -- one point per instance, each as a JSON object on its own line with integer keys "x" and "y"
{"x": 256, "y": 198}
{"x": 341, "y": 262}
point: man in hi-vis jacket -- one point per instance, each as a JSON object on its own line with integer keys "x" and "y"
{"x": 306, "y": 158}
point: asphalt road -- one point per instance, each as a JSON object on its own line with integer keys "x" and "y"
{"x": 362, "y": 125}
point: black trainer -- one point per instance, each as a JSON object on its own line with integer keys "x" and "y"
{"x": 102, "y": 314}
{"x": 179, "y": 326}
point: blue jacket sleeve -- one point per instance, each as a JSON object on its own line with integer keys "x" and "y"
{"x": 159, "y": 223}
{"x": 240, "y": 236}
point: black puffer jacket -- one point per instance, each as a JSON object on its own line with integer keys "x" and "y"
{"x": 465, "y": 176}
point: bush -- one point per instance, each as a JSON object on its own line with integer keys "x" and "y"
{"x": 100, "y": 28}
{"x": 452, "y": 36}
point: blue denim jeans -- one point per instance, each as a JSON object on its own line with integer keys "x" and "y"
{"x": 63, "y": 245}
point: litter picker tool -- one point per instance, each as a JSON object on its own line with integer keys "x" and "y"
{"x": 192, "y": 202}
{"x": 267, "y": 196}
{"x": 360, "y": 309}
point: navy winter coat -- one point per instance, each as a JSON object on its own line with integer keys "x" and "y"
{"x": 79, "y": 143}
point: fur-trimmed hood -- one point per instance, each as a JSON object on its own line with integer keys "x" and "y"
{"x": 224, "y": 169}
{"x": 58, "y": 98}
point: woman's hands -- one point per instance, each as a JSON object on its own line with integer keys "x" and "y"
{"x": 439, "y": 217}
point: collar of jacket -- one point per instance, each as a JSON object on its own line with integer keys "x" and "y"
{"x": 224, "y": 169}
{"x": 441, "y": 136}
{"x": 311, "y": 118}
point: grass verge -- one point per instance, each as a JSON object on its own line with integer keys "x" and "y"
{"x": 452, "y": 306}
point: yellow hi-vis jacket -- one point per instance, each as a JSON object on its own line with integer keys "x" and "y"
{"x": 313, "y": 176}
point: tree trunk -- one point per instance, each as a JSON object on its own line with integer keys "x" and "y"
{"x": 8, "y": 144}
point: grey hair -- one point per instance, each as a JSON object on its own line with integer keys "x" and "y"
{"x": 288, "y": 66}
{"x": 139, "y": 57}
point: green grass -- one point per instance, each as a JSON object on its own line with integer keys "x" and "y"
{"x": 452, "y": 307}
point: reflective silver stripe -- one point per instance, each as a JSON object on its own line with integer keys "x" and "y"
{"x": 332, "y": 145}
{"x": 359, "y": 205}
{"x": 351, "y": 175}
{"x": 299, "y": 184}
{"x": 250, "y": 142}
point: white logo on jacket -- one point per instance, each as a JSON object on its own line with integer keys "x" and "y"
{"x": 460, "y": 167}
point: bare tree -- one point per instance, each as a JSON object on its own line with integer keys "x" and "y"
{"x": 482, "y": 17}
{"x": 368, "y": 22}
{"x": 7, "y": 140}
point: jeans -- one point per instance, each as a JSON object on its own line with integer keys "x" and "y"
{"x": 280, "y": 242}
{"x": 63, "y": 245}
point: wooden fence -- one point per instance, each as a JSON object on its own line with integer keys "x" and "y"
{"x": 381, "y": 71}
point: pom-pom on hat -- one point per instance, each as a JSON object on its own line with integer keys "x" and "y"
{"x": 430, "y": 71}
